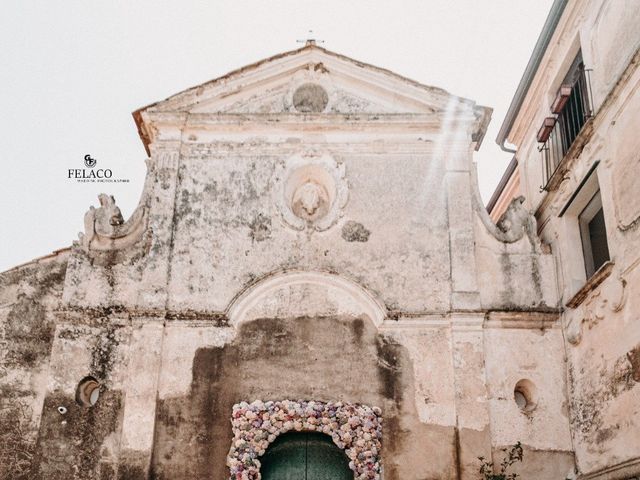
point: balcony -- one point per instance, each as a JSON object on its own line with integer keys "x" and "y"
{"x": 572, "y": 108}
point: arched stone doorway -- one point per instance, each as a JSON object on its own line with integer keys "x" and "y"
{"x": 354, "y": 429}
{"x": 305, "y": 456}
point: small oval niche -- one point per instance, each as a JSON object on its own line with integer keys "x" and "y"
{"x": 88, "y": 392}
{"x": 525, "y": 395}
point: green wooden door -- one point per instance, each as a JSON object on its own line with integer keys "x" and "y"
{"x": 305, "y": 456}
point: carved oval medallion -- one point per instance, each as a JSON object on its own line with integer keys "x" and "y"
{"x": 310, "y": 98}
{"x": 312, "y": 193}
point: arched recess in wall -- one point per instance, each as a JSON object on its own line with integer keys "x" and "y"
{"x": 301, "y": 293}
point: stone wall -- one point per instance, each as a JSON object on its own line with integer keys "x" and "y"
{"x": 29, "y": 296}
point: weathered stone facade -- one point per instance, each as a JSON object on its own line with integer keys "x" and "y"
{"x": 310, "y": 229}
{"x": 600, "y": 309}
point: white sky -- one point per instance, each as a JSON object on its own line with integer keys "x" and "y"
{"x": 72, "y": 72}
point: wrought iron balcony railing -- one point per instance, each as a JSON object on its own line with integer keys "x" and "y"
{"x": 572, "y": 107}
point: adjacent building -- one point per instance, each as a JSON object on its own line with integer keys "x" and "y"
{"x": 574, "y": 123}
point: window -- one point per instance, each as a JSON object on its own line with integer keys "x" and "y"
{"x": 576, "y": 108}
{"x": 570, "y": 110}
{"x": 593, "y": 235}
{"x": 586, "y": 251}
{"x": 304, "y": 455}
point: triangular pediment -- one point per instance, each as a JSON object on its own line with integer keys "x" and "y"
{"x": 282, "y": 98}
{"x": 270, "y": 86}
{"x": 311, "y": 80}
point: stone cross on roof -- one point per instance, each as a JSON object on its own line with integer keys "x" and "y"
{"x": 310, "y": 39}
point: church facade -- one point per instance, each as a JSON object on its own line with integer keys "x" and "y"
{"x": 310, "y": 285}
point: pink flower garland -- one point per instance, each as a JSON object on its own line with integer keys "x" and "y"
{"x": 355, "y": 428}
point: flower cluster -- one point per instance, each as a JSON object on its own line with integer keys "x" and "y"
{"x": 355, "y": 428}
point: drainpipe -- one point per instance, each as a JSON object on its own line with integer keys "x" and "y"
{"x": 539, "y": 50}
{"x": 506, "y": 149}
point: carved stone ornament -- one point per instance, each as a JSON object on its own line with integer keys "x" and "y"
{"x": 353, "y": 427}
{"x": 516, "y": 221}
{"x": 310, "y": 201}
{"x": 312, "y": 192}
{"x": 106, "y": 231}
{"x": 605, "y": 300}
{"x": 310, "y": 91}
{"x": 310, "y": 98}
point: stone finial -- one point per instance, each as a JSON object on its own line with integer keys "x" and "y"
{"x": 106, "y": 230}
{"x": 516, "y": 221}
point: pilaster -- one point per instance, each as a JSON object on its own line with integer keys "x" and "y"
{"x": 162, "y": 183}
{"x": 465, "y": 294}
{"x": 473, "y": 436}
{"x": 141, "y": 389}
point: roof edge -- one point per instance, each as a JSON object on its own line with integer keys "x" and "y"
{"x": 530, "y": 71}
{"x": 43, "y": 258}
{"x": 137, "y": 114}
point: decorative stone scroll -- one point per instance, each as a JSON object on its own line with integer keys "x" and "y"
{"x": 516, "y": 221}
{"x": 106, "y": 231}
{"x": 353, "y": 427}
